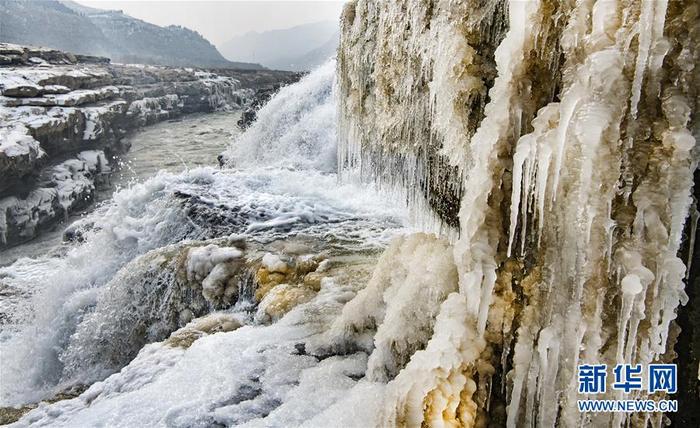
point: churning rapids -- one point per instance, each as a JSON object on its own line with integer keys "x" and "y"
{"x": 550, "y": 146}
{"x": 176, "y": 145}
{"x": 83, "y": 312}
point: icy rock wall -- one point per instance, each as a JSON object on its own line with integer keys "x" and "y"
{"x": 559, "y": 140}
{"x": 65, "y": 187}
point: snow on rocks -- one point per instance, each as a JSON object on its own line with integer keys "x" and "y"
{"x": 201, "y": 261}
{"x": 54, "y": 105}
{"x": 63, "y": 188}
{"x": 213, "y": 323}
{"x": 66, "y": 99}
{"x": 215, "y": 268}
{"x": 18, "y": 151}
{"x": 150, "y": 110}
{"x": 278, "y": 269}
{"x": 280, "y": 300}
{"x": 31, "y": 81}
{"x": 274, "y": 263}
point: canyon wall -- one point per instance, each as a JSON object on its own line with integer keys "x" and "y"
{"x": 553, "y": 144}
{"x": 63, "y": 117}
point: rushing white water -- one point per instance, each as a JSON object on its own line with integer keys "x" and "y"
{"x": 296, "y": 129}
{"x": 557, "y": 142}
{"x": 73, "y": 311}
{"x": 175, "y": 145}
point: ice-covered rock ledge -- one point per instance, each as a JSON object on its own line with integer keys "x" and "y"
{"x": 556, "y": 144}
{"x": 56, "y": 106}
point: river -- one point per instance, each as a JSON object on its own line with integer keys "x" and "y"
{"x": 175, "y": 145}
{"x": 74, "y": 315}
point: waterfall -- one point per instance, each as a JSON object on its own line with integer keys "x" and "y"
{"x": 559, "y": 140}
{"x": 93, "y": 304}
{"x": 547, "y": 152}
{"x": 295, "y": 129}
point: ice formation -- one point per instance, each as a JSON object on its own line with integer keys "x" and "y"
{"x": 397, "y": 306}
{"x": 567, "y": 132}
{"x": 551, "y": 146}
{"x": 63, "y": 187}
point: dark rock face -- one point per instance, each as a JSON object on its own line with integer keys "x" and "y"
{"x": 688, "y": 349}
{"x": 261, "y": 97}
{"x": 63, "y": 117}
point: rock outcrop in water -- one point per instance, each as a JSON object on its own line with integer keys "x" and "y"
{"x": 555, "y": 143}
{"x": 63, "y": 117}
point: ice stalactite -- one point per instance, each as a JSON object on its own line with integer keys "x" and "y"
{"x": 413, "y": 277}
{"x": 565, "y": 132}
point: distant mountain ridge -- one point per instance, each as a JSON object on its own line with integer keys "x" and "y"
{"x": 69, "y": 26}
{"x": 298, "y": 48}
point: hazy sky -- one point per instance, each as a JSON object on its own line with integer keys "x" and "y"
{"x": 220, "y": 20}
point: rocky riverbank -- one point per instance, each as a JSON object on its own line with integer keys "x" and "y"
{"x": 63, "y": 118}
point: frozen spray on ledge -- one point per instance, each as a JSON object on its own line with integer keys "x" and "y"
{"x": 567, "y": 131}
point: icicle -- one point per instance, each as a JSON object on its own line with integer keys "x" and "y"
{"x": 645, "y": 31}
{"x": 521, "y": 367}
{"x": 548, "y": 347}
{"x": 569, "y": 105}
{"x": 522, "y": 155}
{"x": 597, "y": 237}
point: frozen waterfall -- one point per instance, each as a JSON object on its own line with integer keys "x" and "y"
{"x": 546, "y": 151}
{"x": 567, "y": 131}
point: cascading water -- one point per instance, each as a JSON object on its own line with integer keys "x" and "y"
{"x": 85, "y": 311}
{"x": 555, "y": 144}
{"x": 297, "y": 128}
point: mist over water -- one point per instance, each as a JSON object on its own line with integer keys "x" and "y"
{"x": 551, "y": 147}
{"x": 283, "y": 185}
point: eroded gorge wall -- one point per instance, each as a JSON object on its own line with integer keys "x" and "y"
{"x": 554, "y": 144}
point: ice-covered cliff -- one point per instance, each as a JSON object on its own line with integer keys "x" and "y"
{"x": 556, "y": 144}
{"x": 550, "y": 146}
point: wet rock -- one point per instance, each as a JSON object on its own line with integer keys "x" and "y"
{"x": 200, "y": 327}
{"x": 247, "y": 117}
{"x": 266, "y": 281}
{"x": 10, "y": 415}
{"x": 283, "y": 282}
{"x": 77, "y": 230}
{"x": 277, "y": 269}
{"x": 313, "y": 280}
{"x": 276, "y": 264}
{"x": 281, "y": 299}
